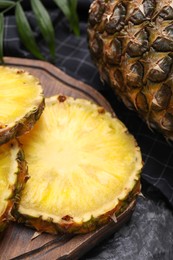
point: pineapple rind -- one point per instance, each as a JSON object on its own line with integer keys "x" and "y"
{"x": 69, "y": 226}
{"x": 17, "y": 178}
{"x": 26, "y": 120}
{"x": 22, "y": 126}
{"x": 34, "y": 196}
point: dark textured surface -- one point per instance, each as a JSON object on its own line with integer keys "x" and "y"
{"x": 149, "y": 234}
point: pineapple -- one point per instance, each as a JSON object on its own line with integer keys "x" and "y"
{"x": 84, "y": 167}
{"x": 21, "y": 102}
{"x": 13, "y": 174}
{"x": 131, "y": 43}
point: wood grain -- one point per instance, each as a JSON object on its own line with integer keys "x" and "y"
{"x": 16, "y": 242}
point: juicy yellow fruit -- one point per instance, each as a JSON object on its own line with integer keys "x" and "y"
{"x": 81, "y": 162}
{"x": 16, "y": 94}
{"x": 13, "y": 171}
{"x": 21, "y": 102}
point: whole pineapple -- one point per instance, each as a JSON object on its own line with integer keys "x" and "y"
{"x": 131, "y": 42}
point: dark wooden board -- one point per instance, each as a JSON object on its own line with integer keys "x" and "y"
{"x": 16, "y": 242}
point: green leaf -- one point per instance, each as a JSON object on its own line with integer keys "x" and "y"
{"x": 5, "y": 4}
{"x": 74, "y": 17}
{"x": 1, "y": 36}
{"x": 45, "y": 24}
{"x": 64, "y": 6}
{"x": 25, "y": 32}
{"x": 69, "y": 8}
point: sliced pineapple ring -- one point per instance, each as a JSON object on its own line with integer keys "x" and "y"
{"x": 82, "y": 162}
{"x": 13, "y": 173}
{"x": 21, "y": 102}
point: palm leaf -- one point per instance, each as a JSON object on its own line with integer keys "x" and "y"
{"x": 25, "y": 32}
{"x": 68, "y": 7}
{"x": 6, "y": 4}
{"x": 26, "y": 35}
{"x": 74, "y": 17}
{"x": 45, "y": 24}
{"x": 64, "y": 6}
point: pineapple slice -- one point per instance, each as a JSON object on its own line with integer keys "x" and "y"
{"x": 21, "y": 102}
{"x": 13, "y": 174}
{"x": 83, "y": 164}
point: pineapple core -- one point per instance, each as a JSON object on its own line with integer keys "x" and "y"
{"x": 18, "y": 89}
{"x": 81, "y": 162}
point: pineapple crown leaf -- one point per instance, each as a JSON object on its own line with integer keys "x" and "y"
{"x": 44, "y": 22}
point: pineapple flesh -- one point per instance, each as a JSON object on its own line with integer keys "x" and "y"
{"x": 21, "y": 102}
{"x": 13, "y": 174}
{"x": 131, "y": 42}
{"x": 83, "y": 165}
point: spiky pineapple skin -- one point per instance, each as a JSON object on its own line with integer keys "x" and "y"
{"x": 13, "y": 200}
{"x": 22, "y": 126}
{"x": 26, "y": 123}
{"x": 131, "y": 42}
{"x": 71, "y": 227}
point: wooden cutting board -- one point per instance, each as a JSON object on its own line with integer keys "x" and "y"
{"x": 18, "y": 241}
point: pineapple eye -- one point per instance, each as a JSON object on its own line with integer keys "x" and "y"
{"x": 61, "y": 98}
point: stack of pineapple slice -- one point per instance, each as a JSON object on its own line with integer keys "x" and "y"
{"x": 13, "y": 174}
{"x": 83, "y": 165}
{"x": 21, "y": 104}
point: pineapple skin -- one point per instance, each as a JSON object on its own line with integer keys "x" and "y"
{"x": 131, "y": 43}
{"x": 22, "y": 176}
{"x": 26, "y": 123}
{"x": 22, "y": 126}
{"x": 71, "y": 227}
